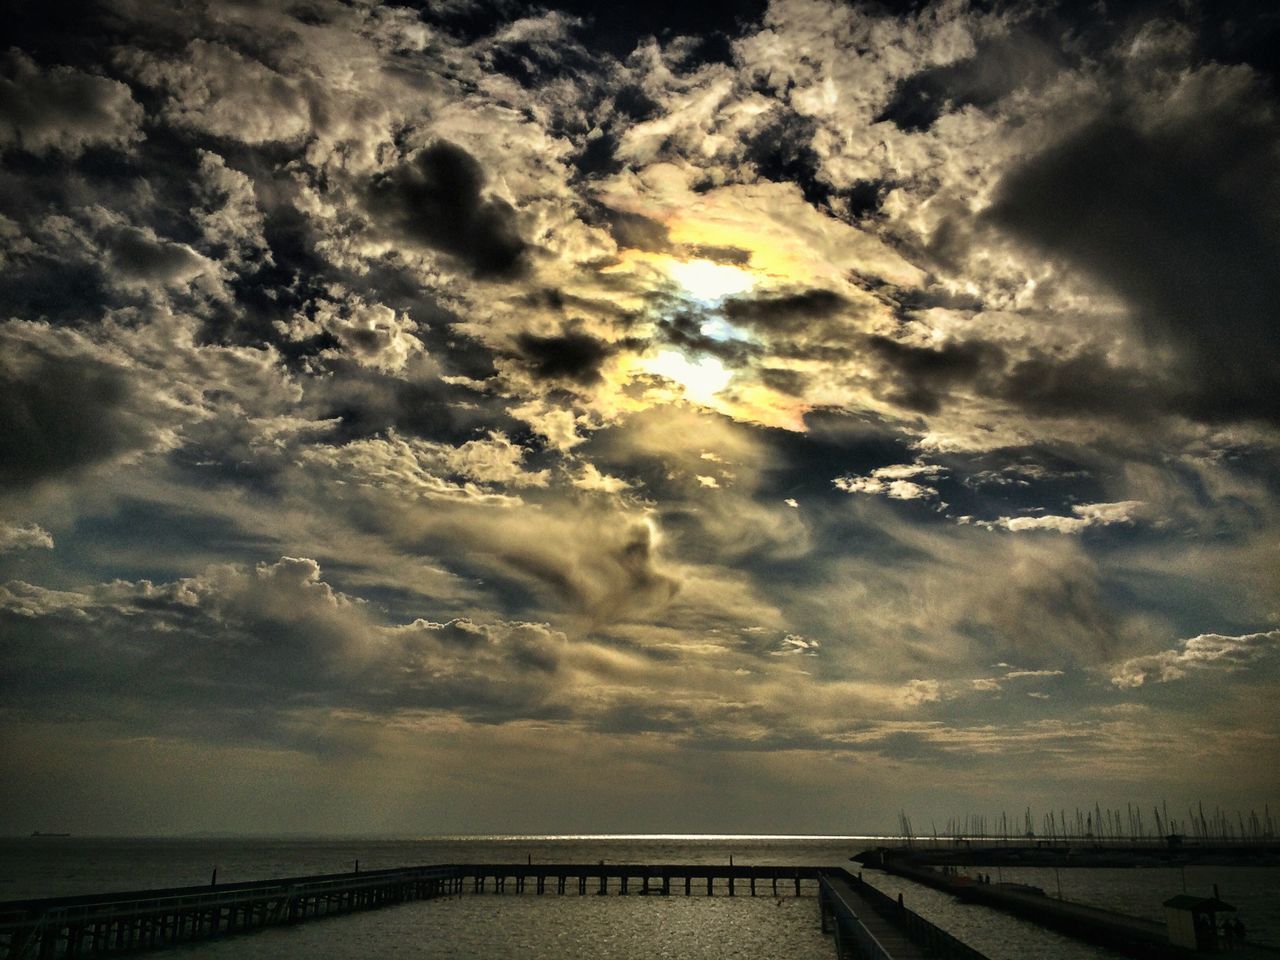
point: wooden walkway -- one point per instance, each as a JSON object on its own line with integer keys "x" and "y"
{"x": 641, "y": 879}
{"x": 868, "y": 925}
{"x": 128, "y": 922}
{"x": 1133, "y": 936}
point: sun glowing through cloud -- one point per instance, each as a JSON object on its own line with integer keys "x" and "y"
{"x": 538, "y": 380}
{"x": 708, "y": 281}
{"x": 701, "y": 379}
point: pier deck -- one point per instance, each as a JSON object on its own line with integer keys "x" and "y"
{"x": 1133, "y": 936}
{"x": 104, "y": 924}
{"x": 867, "y": 925}
{"x": 641, "y": 879}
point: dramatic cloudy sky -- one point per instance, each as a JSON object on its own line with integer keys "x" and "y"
{"x": 476, "y": 416}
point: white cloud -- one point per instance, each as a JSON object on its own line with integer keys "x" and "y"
{"x": 892, "y": 481}
{"x": 24, "y": 536}
{"x": 794, "y": 645}
{"x": 1083, "y": 516}
{"x": 1207, "y": 652}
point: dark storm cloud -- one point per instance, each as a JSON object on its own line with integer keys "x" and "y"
{"x": 619, "y": 29}
{"x": 61, "y": 412}
{"x": 685, "y": 331}
{"x": 596, "y": 158}
{"x": 1180, "y": 219}
{"x": 572, "y": 355}
{"x": 924, "y": 375}
{"x": 367, "y": 402}
{"x": 435, "y": 199}
{"x": 996, "y": 69}
{"x": 1086, "y": 383}
{"x": 789, "y": 313}
{"x": 141, "y": 257}
{"x": 791, "y": 382}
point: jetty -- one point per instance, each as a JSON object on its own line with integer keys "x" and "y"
{"x": 865, "y": 924}
{"x": 1132, "y": 936}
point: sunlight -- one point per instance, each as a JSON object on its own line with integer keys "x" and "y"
{"x": 709, "y": 281}
{"x": 701, "y": 379}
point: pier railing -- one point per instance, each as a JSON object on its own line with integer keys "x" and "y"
{"x": 931, "y": 939}
{"x": 126, "y": 922}
{"x": 106, "y": 924}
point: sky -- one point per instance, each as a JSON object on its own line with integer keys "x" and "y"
{"x": 474, "y": 417}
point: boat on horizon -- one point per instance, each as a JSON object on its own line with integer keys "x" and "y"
{"x": 39, "y": 833}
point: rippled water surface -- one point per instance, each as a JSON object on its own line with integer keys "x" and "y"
{"x": 575, "y": 927}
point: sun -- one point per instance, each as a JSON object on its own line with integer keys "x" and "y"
{"x": 708, "y": 281}
{"x": 701, "y": 379}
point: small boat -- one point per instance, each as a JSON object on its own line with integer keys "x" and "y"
{"x": 37, "y": 833}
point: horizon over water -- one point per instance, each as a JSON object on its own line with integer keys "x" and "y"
{"x": 469, "y": 926}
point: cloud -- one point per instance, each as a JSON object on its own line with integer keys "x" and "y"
{"x": 373, "y": 334}
{"x": 230, "y": 219}
{"x": 24, "y": 536}
{"x": 434, "y": 199}
{"x": 573, "y": 356}
{"x": 65, "y": 405}
{"x": 923, "y": 375}
{"x": 274, "y": 639}
{"x": 895, "y": 482}
{"x": 62, "y": 109}
{"x": 1083, "y": 516}
{"x": 1203, "y": 654}
{"x": 1180, "y": 169}
{"x": 217, "y": 90}
{"x": 491, "y": 375}
{"x": 794, "y": 646}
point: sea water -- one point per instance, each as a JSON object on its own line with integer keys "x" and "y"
{"x": 573, "y": 927}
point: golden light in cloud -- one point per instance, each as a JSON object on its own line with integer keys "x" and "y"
{"x": 709, "y": 281}
{"x": 701, "y": 379}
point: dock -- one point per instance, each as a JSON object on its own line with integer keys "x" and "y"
{"x": 1133, "y": 936}
{"x": 869, "y": 925}
{"x": 865, "y": 924}
{"x": 641, "y": 879}
{"x": 105, "y": 924}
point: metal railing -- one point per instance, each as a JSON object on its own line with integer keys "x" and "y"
{"x": 866, "y": 945}
{"x": 916, "y": 928}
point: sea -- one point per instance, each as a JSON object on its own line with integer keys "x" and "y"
{"x": 571, "y": 927}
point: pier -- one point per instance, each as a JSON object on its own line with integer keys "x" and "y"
{"x": 104, "y": 924}
{"x": 869, "y": 925}
{"x": 641, "y": 879}
{"x": 1133, "y": 936}
{"x": 865, "y": 924}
